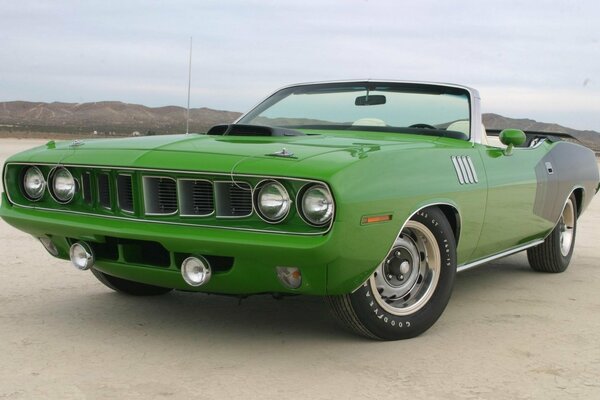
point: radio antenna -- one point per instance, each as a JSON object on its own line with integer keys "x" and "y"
{"x": 187, "y": 120}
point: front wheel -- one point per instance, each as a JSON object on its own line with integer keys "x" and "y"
{"x": 410, "y": 289}
{"x": 129, "y": 287}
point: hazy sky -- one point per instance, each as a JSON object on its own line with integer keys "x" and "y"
{"x": 537, "y": 59}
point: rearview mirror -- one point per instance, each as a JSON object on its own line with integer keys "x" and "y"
{"x": 374, "y": 100}
{"x": 512, "y": 138}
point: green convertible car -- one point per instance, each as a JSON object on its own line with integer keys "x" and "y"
{"x": 371, "y": 193}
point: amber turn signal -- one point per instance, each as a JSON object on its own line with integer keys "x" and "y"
{"x": 376, "y": 218}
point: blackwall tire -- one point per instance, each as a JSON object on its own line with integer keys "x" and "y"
{"x": 418, "y": 277}
{"x": 554, "y": 255}
{"x": 129, "y": 287}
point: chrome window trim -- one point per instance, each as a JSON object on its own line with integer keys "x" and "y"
{"x": 144, "y": 177}
{"x": 186, "y": 172}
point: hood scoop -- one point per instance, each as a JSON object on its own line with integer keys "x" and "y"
{"x": 251, "y": 130}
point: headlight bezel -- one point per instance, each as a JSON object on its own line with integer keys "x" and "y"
{"x": 256, "y": 195}
{"x": 51, "y": 186}
{"x": 300, "y": 204}
{"x": 27, "y": 195}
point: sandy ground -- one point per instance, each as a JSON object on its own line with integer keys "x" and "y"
{"x": 508, "y": 333}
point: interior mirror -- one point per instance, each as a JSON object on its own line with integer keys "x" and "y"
{"x": 373, "y": 100}
{"x": 512, "y": 138}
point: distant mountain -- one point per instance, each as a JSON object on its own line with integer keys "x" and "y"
{"x": 114, "y": 117}
{"x": 107, "y": 116}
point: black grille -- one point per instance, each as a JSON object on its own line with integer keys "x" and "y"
{"x": 196, "y": 197}
{"x": 160, "y": 195}
{"x": 233, "y": 199}
{"x": 125, "y": 192}
{"x": 104, "y": 190}
{"x": 167, "y": 195}
{"x": 86, "y": 183}
{"x": 240, "y": 198}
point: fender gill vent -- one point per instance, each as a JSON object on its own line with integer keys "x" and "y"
{"x": 195, "y": 197}
{"x": 160, "y": 195}
{"x": 465, "y": 170}
{"x": 104, "y": 190}
{"x": 125, "y": 193}
{"x": 233, "y": 199}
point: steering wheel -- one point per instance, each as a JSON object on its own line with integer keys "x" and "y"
{"x": 422, "y": 126}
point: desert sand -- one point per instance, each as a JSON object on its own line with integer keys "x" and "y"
{"x": 508, "y": 333}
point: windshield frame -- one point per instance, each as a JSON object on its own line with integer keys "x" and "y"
{"x": 408, "y": 86}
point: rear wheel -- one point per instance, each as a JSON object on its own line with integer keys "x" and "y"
{"x": 410, "y": 289}
{"x": 554, "y": 255}
{"x": 129, "y": 287}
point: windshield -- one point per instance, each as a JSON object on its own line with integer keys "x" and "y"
{"x": 410, "y": 108}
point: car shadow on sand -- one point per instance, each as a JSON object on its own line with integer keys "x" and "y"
{"x": 188, "y": 317}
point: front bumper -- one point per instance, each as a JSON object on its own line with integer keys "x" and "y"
{"x": 334, "y": 263}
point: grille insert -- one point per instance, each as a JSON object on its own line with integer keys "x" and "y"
{"x": 233, "y": 199}
{"x": 196, "y": 198}
{"x": 160, "y": 195}
{"x": 125, "y": 192}
{"x": 86, "y": 183}
{"x": 104, "y": 190}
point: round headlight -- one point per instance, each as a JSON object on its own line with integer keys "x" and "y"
{"x": 63, "y": 185}
{"x": 272, "y": 201}
{"x": 34, "y": 183}
{"x": 317, "y": 205}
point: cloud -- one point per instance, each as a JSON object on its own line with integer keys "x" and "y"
{"x": 531, "y": 54}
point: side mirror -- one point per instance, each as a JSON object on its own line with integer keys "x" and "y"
{"x": 512, "y": 138}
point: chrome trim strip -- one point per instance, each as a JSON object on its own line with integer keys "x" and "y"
{"x": 464, "y": 162}
{"x": 484, "y": 260}
{"x": 470, "y": 162}
{"x": 463, "y": 169}
{"x": 168, "y": 222}
{"x": 175, "y": 171}
{"x": 461, "y": 178}
{"x": 152, "y": 221}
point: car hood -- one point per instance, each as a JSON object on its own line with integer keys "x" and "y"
{"x": 257, "y": 155}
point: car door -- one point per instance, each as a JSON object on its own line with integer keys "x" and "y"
{"x": 512, "y": 187}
